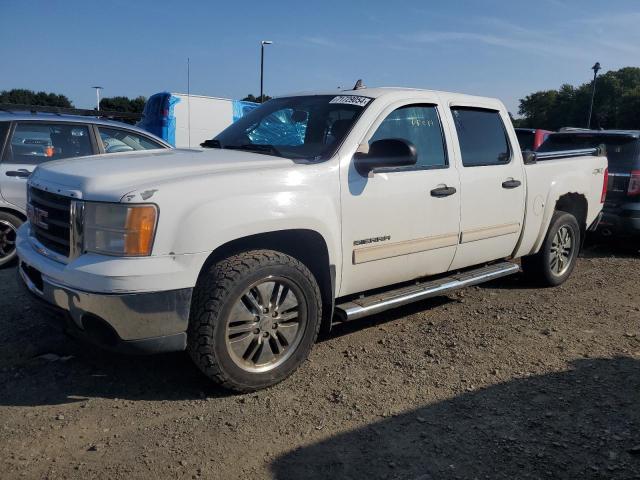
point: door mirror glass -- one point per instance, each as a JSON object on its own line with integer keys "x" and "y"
{"x": 387, "y": 153}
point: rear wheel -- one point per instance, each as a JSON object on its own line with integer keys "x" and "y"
{"x": 255, "y": 317}
{"x": 9, "y": 225}
{"x": 557, "y": 257}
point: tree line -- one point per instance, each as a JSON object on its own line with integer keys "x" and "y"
{"x": 21, "y": 96}
{"x": 616, "y": 104}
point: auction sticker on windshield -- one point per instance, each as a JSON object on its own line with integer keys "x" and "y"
{"x": 351, "y": 100}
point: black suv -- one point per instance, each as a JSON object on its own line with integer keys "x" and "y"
{"x": 621, "y": 214}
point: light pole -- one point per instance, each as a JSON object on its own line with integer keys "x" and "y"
{"x": 262, "y": 44}
{"x": 595, "y": 69}
{"x": 98, "y": 97}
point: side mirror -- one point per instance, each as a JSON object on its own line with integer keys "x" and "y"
{"x": 529, "y": 157}
{"x": 387, "y": 153}
{"x": 212, "y": 143}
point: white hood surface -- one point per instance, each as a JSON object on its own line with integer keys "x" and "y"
{"x": 109, "y": 177}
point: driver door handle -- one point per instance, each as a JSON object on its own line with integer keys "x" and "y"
{"x": 21, "y": 173}
{"x": 443, "y": 191}
{"x": 511, "y": 183}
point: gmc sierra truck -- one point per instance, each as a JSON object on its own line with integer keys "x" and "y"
{"x": 311, "y": 209}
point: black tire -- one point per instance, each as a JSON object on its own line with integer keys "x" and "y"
{"x": 540, "y": 268}
{"x": 221, "y": 288}
{"x": 9, "y": 225}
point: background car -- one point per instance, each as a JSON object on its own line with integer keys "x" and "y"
{"x": 621, "y": 213}
{"x": 531, "y": 138}
{"x": 28, "y": 139}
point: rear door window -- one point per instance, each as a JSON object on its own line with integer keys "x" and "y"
{"x": 33, "y": 143}
{"x": 116, "y": 140}
{"x": 482, "y": 136}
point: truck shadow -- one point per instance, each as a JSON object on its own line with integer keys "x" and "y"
{"x": 49, "y": 368}
{"x": 79, "y": 373}
{"x": 611, "y": 247}
{"x": 580, "y": 423}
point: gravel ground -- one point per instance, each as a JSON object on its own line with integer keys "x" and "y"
{"x": 499, "y": 381}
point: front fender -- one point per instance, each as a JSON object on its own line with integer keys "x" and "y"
{"x": 223, "y": 220}
{"x": 201, "y": 214}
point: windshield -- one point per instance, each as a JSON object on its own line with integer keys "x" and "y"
{"x": 622, "y": 152}
{"x": 305, "y": 127}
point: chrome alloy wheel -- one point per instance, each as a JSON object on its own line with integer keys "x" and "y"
{"x": 266, "y": 324}
{"x": 7, "y": 239}
{"x": 561, "y": 251}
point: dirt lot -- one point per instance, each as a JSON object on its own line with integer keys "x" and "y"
{"x": 502, "y": 381}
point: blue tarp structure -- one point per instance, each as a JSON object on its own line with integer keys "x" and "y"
{"x": 159, "y": 116}
{"x": 241, "y": 108}
{"x": 169, "y": 123}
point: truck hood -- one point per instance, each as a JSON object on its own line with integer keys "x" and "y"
{"x": 109, "y": 177}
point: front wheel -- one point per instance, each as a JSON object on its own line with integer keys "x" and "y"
{"x": 8, "y": 232}
{"x": 557, "y": 257}
{"x": 254, "y": 319}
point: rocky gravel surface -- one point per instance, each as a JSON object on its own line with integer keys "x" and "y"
{"x": 502, "y": 381}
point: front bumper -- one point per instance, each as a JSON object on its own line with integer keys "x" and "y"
{"x": 149, "y": 322}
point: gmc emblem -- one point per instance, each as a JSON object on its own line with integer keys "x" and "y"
{"x": 37, "y": 217}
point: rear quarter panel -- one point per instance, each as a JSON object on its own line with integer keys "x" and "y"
{"x": 547, "y": 181}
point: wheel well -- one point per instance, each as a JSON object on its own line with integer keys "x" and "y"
{"x": 307, "y": 246}
{"x": 576, "y": 204}
{"x": 17, "y": 213}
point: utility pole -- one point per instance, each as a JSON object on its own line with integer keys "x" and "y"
{"x": 189, "y": 101}
{"x": 97, "y": 97}
{"x": 595, "y": 69}
{"x": 262, "y": 44}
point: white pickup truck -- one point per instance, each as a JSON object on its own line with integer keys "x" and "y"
{"x": 312, "y": 209}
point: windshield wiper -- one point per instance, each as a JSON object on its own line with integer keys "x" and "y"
{"x": 258, "y": 148}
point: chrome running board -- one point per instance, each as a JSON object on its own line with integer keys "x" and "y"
{"x": 380, "y": 302}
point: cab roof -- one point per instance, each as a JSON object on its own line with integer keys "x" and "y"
{"x": 398, "y": 92}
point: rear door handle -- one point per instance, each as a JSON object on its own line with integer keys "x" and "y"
{"x": 511, "y": 183}
{"x": 21, "y": 173}
{"x": 443, "y": 191}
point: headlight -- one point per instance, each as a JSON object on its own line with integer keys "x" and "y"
{"x": 123, "y": 230}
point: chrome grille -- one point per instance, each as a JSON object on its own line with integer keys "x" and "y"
{"x": 50, "y": 218}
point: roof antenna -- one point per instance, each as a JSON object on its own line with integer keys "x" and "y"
{"x": 359, "y": 85}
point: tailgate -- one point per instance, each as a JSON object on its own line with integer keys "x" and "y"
{"x": 617, "y": 188}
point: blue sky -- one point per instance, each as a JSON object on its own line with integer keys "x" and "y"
{"x": 501, "y": 48}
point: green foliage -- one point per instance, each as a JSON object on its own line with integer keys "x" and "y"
{"x": 123, "y": 104}
{"x": 616, "y": 104}
{"x": 253, "y": 98}
{"x": 21, "y": 96}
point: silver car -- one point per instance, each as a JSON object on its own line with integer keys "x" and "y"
{"x": 28, "y": 139}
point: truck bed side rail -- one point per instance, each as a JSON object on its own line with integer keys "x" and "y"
{"x": 580, "y": 152}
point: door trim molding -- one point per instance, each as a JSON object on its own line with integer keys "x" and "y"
{"x": 397, "y": 249}
{"x": 489, "y": 232}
